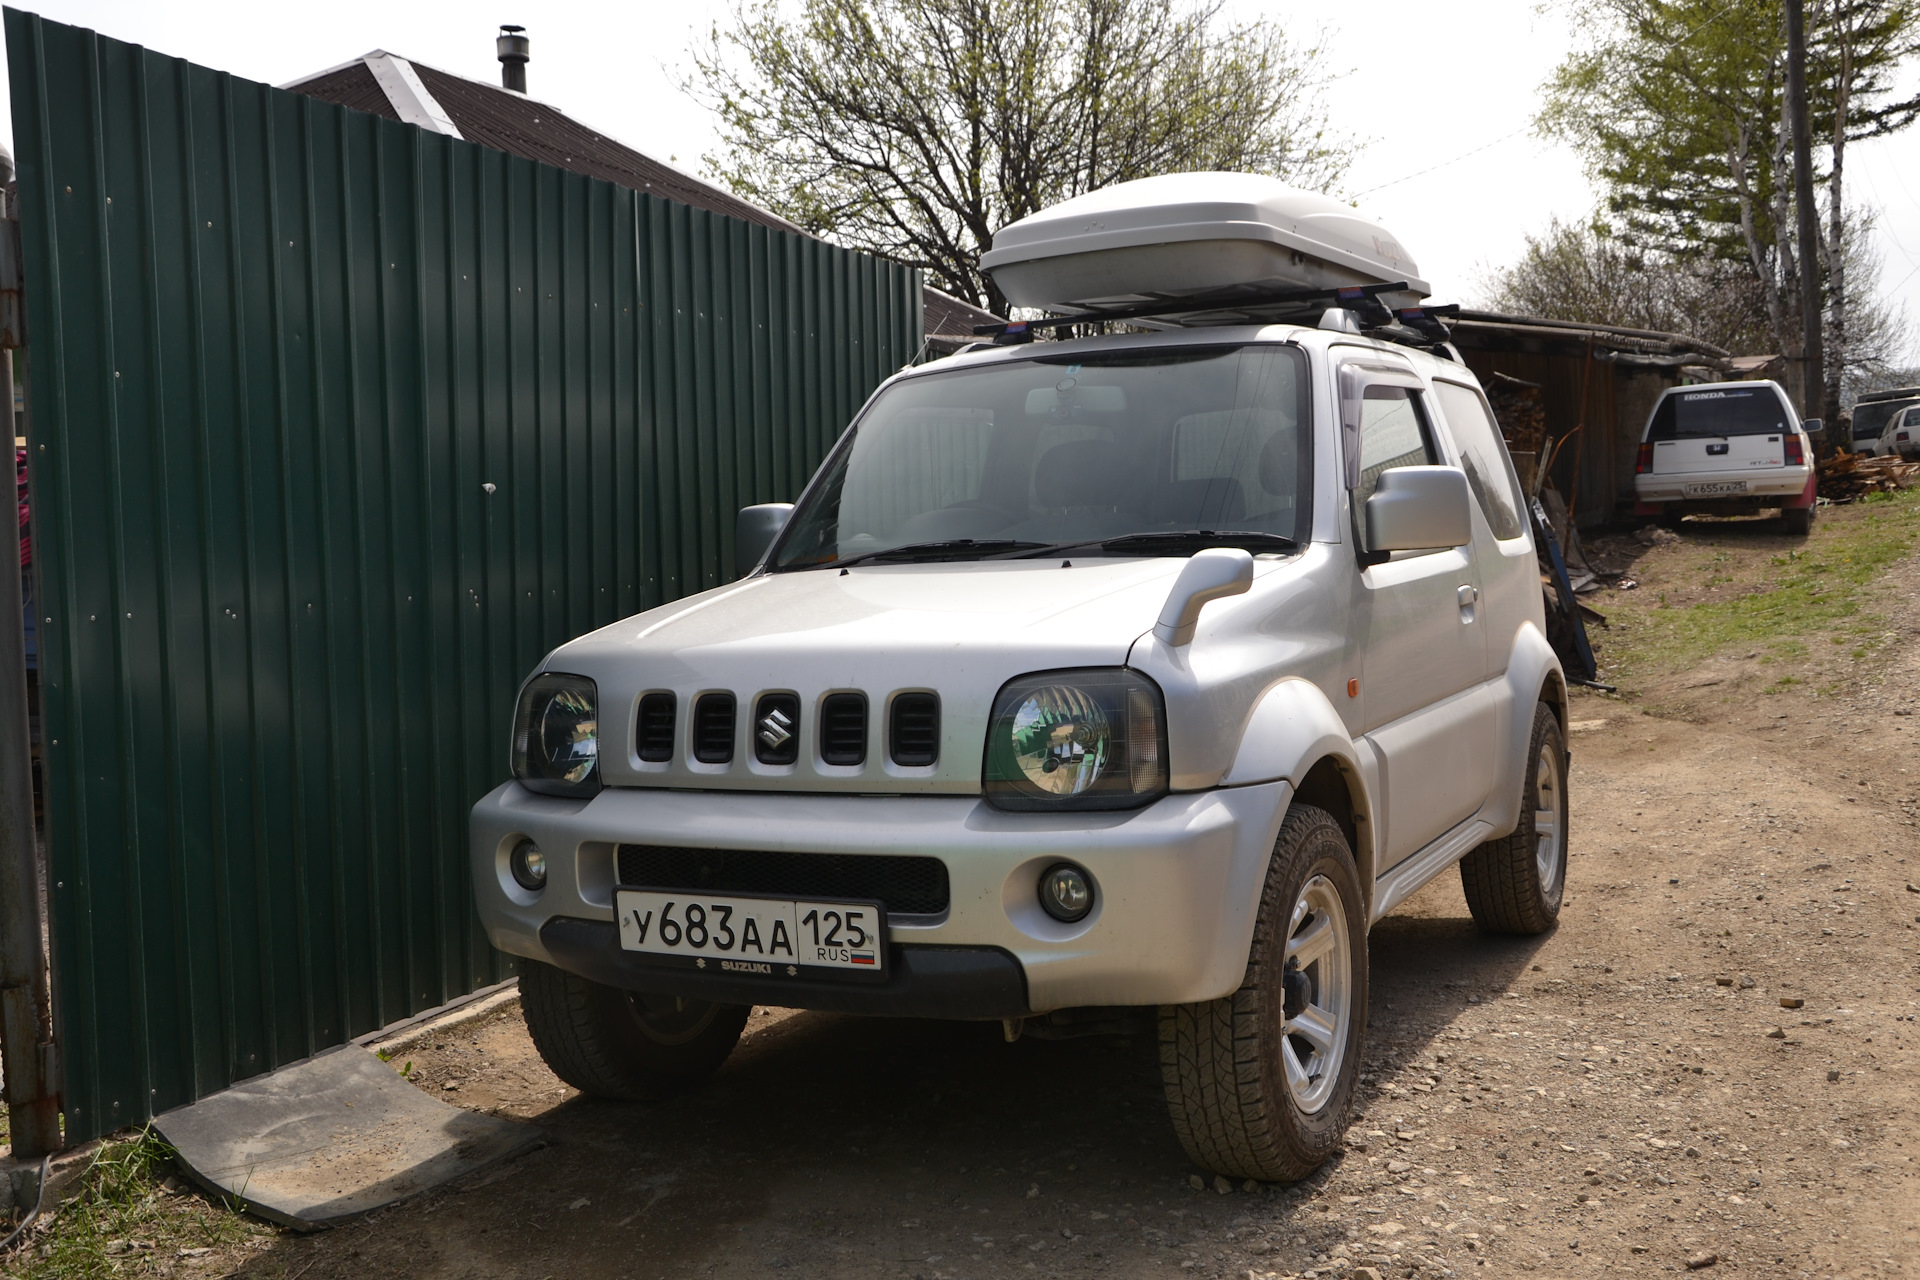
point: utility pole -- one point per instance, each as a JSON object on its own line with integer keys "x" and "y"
{"x": 1812, "y": 361}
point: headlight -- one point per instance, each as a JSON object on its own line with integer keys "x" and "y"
{"x": 1093, "y": 739}
{"x": 556, "y": 736}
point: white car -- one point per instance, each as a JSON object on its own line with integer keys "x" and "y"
{"x": 1727, "y": 448}
{"x": 1089, "y": 685}
{"x": 1901, "y": 439}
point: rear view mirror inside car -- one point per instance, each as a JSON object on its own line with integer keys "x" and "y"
{"x": 1068, "y": 399}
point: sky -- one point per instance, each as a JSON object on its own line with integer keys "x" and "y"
{"x": 1443, "y": 102}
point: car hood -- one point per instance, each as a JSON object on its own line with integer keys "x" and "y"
{"x": 958, "y": 630}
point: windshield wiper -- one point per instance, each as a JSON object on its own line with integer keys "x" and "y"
{"x": 945, "y": 549}
{"x": 1180, "y": 540}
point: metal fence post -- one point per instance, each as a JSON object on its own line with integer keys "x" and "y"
{"x": 26, "y": 1024}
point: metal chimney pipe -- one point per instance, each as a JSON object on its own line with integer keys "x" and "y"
{"x": 512, "y": 47}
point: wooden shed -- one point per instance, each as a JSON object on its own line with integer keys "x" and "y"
{"x": 1593, "y": 386}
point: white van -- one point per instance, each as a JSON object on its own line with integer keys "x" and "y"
{"x": 1727, "y": 448}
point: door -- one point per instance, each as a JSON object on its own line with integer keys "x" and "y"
{"x": 1427, "y": 712}
{"x": 1508, "y": 570}
{"x": 1720, "y": 434}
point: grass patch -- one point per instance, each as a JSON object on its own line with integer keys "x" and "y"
{"x": 122, "y": 1222}
{"x": 1817, "y": 590}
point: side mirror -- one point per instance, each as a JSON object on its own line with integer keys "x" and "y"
{"x": 754, "y": 530}
{"x": 1814, "y": 427}
{"x": 1419, "y": 509}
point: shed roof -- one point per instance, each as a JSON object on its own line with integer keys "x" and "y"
{"x": 386, "y": 84}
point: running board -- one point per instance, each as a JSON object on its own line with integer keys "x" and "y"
{"x": 1403, "y": 881}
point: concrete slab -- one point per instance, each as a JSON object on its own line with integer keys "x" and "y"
{"x": 338, "y": 1135}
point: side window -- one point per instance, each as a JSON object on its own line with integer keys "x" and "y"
{"x": 1393, "y": 433}
{"x": 1484, "y": 455}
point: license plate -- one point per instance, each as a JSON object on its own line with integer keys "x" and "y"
{"x": 771, "y": 937}
{"x": 1712, "y": 488}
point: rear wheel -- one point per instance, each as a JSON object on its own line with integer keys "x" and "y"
{"x": 1259, "y": 1082}
{"x": 1797, "y": 520}
{"x": 621, "y": 1044}
{"x": 1515, "y": 884}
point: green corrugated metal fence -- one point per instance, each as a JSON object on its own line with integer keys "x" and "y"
{"x": 279, "y": 352}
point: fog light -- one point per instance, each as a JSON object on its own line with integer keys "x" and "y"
{"x": 529, "y": 866}
{"x": 1065, "y": 892}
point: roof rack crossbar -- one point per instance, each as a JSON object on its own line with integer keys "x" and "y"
{"x": 1354, "y": 298}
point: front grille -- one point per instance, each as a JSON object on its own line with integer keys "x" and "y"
{"x": 914, "y": 736}
{"x": 843, "y": 728}
{"x": 904, "y": 885}
{"x": 776, "y": 729}
{"x": 713, "y": 728}
{"x": 653, "y": 728}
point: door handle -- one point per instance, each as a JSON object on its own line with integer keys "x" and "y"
{"x": 1467, "y": 594}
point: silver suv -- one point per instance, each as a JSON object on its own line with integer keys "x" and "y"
{"x": 1088, "y": 684}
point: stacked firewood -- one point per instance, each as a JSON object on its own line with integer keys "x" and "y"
{"x": 1520, "y": 410}
{"x": 1847, "y": 476}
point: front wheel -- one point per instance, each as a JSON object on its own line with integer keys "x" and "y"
{"x": 1259, "y": 1082}
{"x": 620, "y": 1044}
{"x": 1514, "y": 884}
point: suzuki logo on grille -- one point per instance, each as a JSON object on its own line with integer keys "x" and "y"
{"x": 775, "y": 728}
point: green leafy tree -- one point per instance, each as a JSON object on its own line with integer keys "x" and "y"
{"x": 1679, "y": 108}
{"x": 917, "y": 128}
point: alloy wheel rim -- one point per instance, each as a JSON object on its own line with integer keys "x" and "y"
{"x": 1548, "y": 812}
{"x": 1313, "y": 1043}
{"x": 667, "y": 1020}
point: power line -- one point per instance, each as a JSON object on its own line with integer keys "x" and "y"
{"x": 1711, "y": 18}
{"x": 1443, "y": 164}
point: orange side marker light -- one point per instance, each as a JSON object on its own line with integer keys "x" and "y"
{"x": 1353, "y": 688}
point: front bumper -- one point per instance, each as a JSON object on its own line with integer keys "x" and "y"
{"x": 1177, "y": 885}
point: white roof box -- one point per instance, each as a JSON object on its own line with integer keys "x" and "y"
{"x": 1191, "y": 235}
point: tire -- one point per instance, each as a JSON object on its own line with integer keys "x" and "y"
{"x": 1515, "y": 884}
{"x": 1233, "y": 1105}
{"x": 1671, "y": 519}
{"x": 618, "y": 1044}
{"x": 1797, "y": 520}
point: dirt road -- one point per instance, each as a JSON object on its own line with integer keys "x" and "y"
{"x": 1625, "y": 1095}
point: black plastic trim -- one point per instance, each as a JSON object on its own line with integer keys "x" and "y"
{"x": 960, "y": 983}
{"x": 654, "y": 727}
{"x": 843, "y": 729}
{"x": 713, "y": 728}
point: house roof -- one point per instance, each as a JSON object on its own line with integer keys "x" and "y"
{"x": 386, "y": 84}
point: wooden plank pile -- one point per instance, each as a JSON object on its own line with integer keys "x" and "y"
{"x": 1847, "y": 476}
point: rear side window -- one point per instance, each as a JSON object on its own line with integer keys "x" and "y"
{"x": 1719, "y": 412}
{"x": 1484, "y": 456}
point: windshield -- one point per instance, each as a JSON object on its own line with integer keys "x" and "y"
{"x": 1869, "y": 420}
{"x": 1721, "y": 411}
{"x": 1036, "y": 453}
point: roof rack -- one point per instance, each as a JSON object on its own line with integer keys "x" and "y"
{"x": 1410, "y": 326}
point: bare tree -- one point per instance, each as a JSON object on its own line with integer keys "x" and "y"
{"x": 917, "y": 128}
{"x": 1592, "y": 272}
